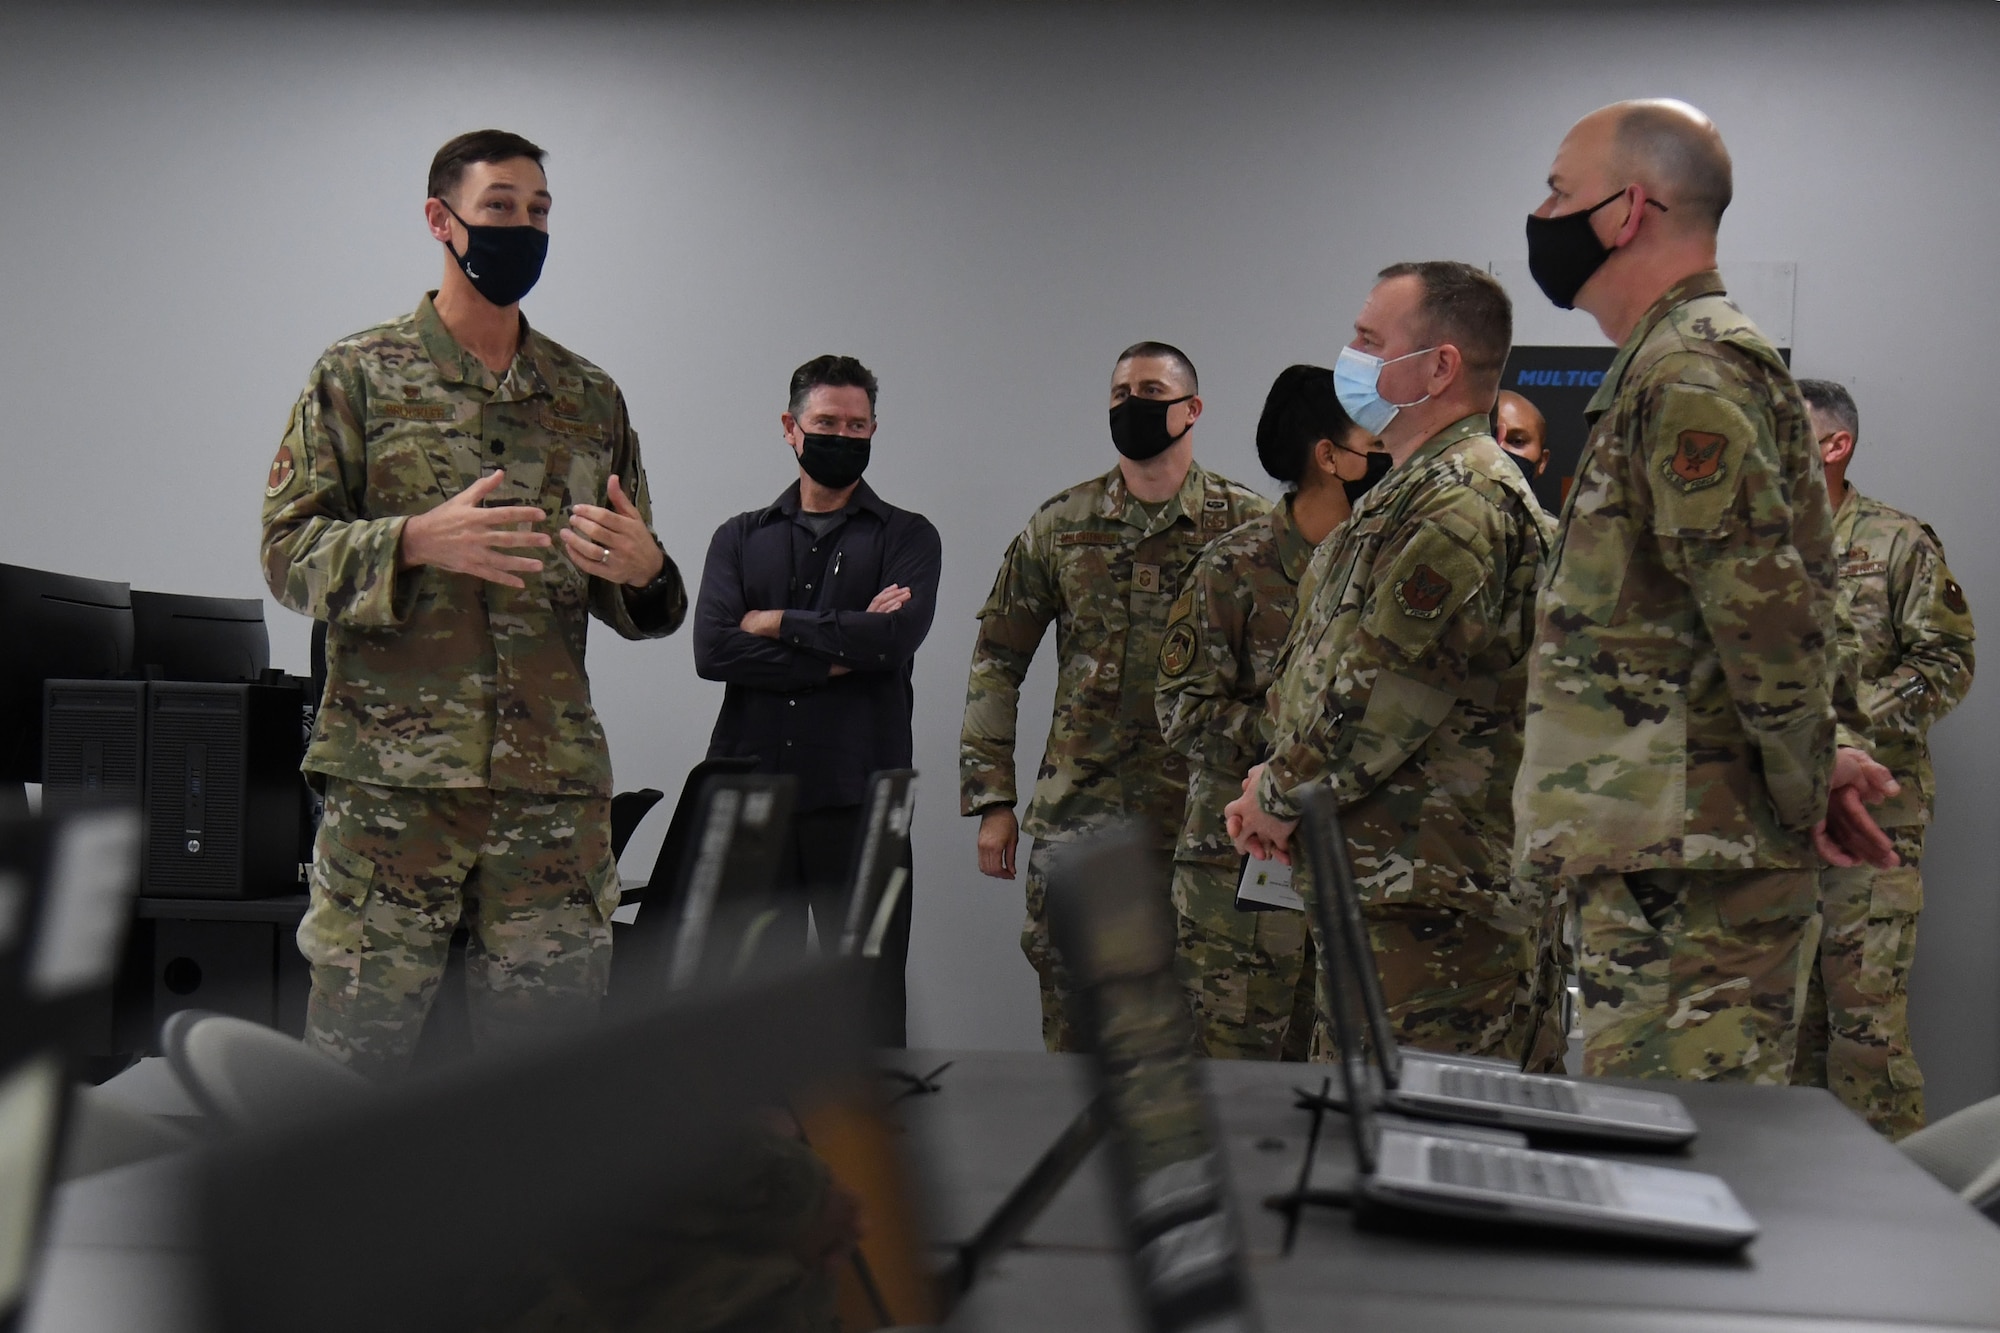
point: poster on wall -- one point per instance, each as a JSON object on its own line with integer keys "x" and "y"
{"x": 1560, "y": 356}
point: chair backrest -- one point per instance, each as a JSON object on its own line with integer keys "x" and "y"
{"x": 878, "y": 878}
{"x": 246, "y": 1076}
{"x": 628, "y": 808}
{"x": 680, "y": 830}
{"x": 1962, "y": 1150}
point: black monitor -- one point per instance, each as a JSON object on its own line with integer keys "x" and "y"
{"x": 53, "y": 627}
{"x": 219, "y": 640}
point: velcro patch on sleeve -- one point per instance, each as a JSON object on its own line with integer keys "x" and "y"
{"x": 1177, "y": 648}
{"x": 1414, "y": 601}
{"x": 1697, "y": 450}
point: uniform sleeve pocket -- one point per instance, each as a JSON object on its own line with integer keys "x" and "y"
{"x": 1415, "y": 602}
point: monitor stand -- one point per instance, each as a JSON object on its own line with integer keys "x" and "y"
{"x": 14, "y": 800}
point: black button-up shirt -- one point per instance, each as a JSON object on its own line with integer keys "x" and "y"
{"x": 783, "y": 705}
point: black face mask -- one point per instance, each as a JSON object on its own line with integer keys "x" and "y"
{"x": 835, "y": 461}
{"x": 502, "y": 263}
{"x": 1563, "y": 252}
{"x": 1378, "y": 468}
{"x": 1139, "y": 427}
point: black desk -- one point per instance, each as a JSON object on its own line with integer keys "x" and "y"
{"x": 233, "y": 956}
{"x": 1855, "y": 1235}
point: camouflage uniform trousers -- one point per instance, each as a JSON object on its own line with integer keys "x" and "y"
{"x": 1059, "y": 1032}
{"x": 395, "y": 871}
{"x": 1854, "y": 1036}
{"x": 1538, "y": 1007}
{"x": 1452, "y": 982}
{"x": 1248, "y": 976}
{"x": 1695, "y": 974}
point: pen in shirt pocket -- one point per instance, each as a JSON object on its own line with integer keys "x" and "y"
{"x": 836, "y": 563}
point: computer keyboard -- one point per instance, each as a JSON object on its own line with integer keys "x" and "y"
{"x": 1516, "y": 1171}
{"x": 1489, "y": 1085}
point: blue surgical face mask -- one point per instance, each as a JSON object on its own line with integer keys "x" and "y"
{"x": 1355, "y": 374}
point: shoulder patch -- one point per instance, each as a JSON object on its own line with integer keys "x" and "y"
{"x": 1697, "y": 460}
{"x": 283, "y": 468}
{"x": 1954, "y": 597}
{"x": 1177, "y": 649}
{"x": 1423, "y": 593}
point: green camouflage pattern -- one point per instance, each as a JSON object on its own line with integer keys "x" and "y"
{"x": 1248, "y": 976}
{"x": 1854, "y": 1036}
{"x": 1695, "y": 974}
{"x": 1905, "y": 639}
{"x": 436, "y": 679}
{"x": 1218, "y": 661}
{"x": 1091, "y": 561}
{"x": 1680, "y": 691}
{"x": 1538, "y": 1009}
{"x": 396, "y": 870}
{"x": 1403, "y": 680}
{"x": 1106, "y": 573}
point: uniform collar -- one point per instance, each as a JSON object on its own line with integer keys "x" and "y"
{"x": 1294, "y": 551}
{"x": 1708, "y": 282}
{"x": 1845, "y": 515}
{"x": 1404, "y": 477}
{"x": 530, "y": 375}
{"x": 864, "y": 498}
{"x": 1117, "y": 502}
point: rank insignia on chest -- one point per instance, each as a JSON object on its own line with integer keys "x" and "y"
{"x": 1146, "y": 578}
{"x": 282, "y": 469}
{"x": 1697, "y": 460}
{"x": 1177, "y": 649}
{"x": 1422, "y": 594}
{"x": 1954, "y": 597}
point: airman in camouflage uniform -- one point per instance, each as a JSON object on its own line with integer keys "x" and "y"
{"x": 466, "y": 775}
{"x": 1402, "y": 689}
{"x": 1247, "y": 974}
{"x": 1105, "y": 568}
{"x": 1906, "y": 640}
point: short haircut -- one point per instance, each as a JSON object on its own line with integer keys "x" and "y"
{"x": 1675, "y": 149}
{"x": 448, "y": 167}
{"x": 1465, "y": 307}
{"x": 1833, "y": 401}
{"x": 832, "y": 372}
{"x": 1301, "y": 410}
{"x": 1170, "y": 353}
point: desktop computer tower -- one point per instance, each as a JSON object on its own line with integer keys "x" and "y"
{"x": 94, "y": 743}
{"x": 224, "y": 817}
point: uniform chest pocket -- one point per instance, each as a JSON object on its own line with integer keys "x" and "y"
{"x": 1594, "y": 548}
{"x": 1093, "y": 574}
{"x": 404, "y": 458}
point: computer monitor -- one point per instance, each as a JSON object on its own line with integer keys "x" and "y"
{"x": 218, "y": 640}
{"x": 53, "y": 627}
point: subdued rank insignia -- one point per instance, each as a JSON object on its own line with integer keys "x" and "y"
{"x": 1422, "y": 594}
{"x": 1146, "y": 578}
{"x": 1177, "y": 649}
{"x": 411, "y": 391}
{"x": 1697, "y": 462}
{"x": 282, "y": 469}
{"x": 1954, "y": 597}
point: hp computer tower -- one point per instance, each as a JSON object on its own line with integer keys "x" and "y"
{"x": 223, "y": 814}
{"x": 94, "y": 743}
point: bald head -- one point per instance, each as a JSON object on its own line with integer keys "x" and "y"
{"x": 1522, "y": 430}
{"x": 1665, "y": 145}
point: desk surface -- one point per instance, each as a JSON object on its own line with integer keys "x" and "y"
{"x": 1855, "y": 1235}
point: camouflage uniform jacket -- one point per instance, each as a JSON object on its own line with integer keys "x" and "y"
{"x": 1403, "y": 683}
{"x": 1680, "y": 693}
{"x": 1090, "y": 561}
{"x": 1906, "y": 635}
{"x": 1218, "y": 661}
{"x": 436, "y": 679}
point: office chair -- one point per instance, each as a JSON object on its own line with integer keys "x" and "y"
{"x": 628, "y": 811}
{"x": 680, "y": 829}
{"x": 105, "y": 1132}
{"x": 243, "y": 1075}
{"x": 1963, "y": 1152}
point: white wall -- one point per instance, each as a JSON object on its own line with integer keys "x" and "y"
{"x": 984, "y": 204}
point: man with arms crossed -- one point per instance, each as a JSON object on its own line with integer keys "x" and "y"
{"x": 429, "y": 469}
{"x": 1906, "y": 642}
{"x": 1680, "y": 738}
{"x": 1103, "y": 560}
{"x": 1404, "y": 680}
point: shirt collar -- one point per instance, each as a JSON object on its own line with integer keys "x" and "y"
{"x": 1844, "y": 515}
{"x": 1402, "y": 477}
{"x": 1708, "y": 282}
{"x": 864, "y": 498}
{"x": 529, "y": 376}
{"x": 1118, "y": 502}
{"x": 1294, "y": 551}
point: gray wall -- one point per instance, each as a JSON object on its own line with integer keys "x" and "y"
{"x": 984, "y": 204}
